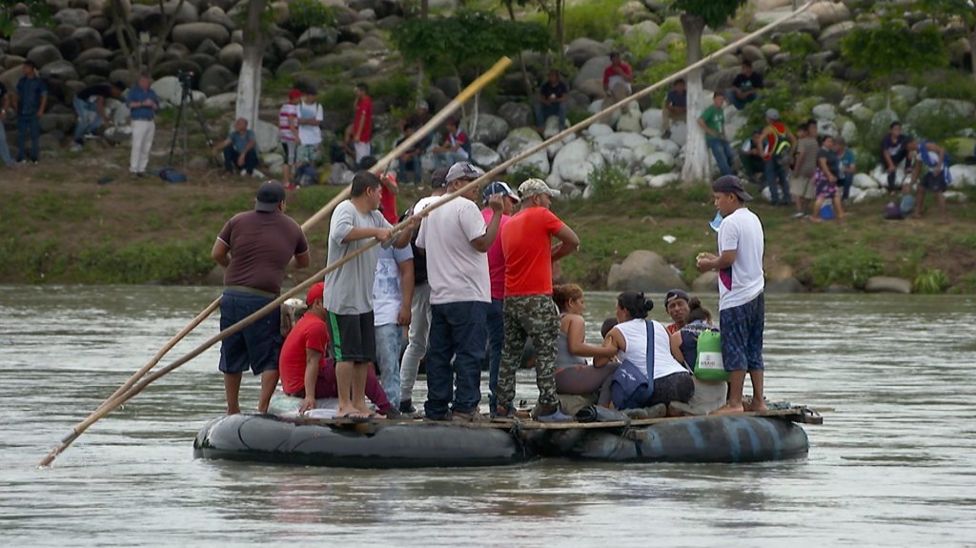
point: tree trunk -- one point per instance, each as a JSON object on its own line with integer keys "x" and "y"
{"x": 529, "y": 88}
{"x": 697, "y": 165}
{"x": 249, "y": 79}
{"x": 560, "y": 27}
{"x": 424, "y": 9}
{"x": 972, "y": 49}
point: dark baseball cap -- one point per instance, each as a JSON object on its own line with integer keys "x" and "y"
{"x": 269, "y": 196}
{"x": 499, "y": 187}
{"x": 732, "y": 185}
{"x": 675, "y": 294}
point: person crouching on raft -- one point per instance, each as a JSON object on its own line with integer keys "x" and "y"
{"x": 628, "y": 340}
{"x": 741, "y": 303}
{"x": 305, "y": 370}
{"x": 573, "y": 374}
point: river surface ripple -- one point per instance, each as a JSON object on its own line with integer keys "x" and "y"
{"x": 893, "y": 463}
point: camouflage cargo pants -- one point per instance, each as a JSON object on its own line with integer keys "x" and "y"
{"x": 530, "y": 316}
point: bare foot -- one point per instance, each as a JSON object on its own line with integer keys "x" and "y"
{"x": 366, "y": 411}
{"x": 728, "y": 410}
{"x": 758, "y": 406}
{"x": 350, "y": 412}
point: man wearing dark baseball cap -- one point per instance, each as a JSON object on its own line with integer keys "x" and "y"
{"x": 676, "y": 303}
{"x": 255, "y": 247}
{"x": 741, "y": 303}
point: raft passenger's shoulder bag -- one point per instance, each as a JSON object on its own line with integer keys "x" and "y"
{"x": 627, "y": 389}
{"x": 709, "y": 365}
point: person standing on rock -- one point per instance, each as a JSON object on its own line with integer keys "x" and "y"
{"x": 777, "y": 141}
{"x": 742, "y": 310}
{"x": 89, "y": 105}
{"x": 255, "y": 247}
{"x": 310, "y": 117}
{"x": 29, "y": 103}
{"x": 361, "y": 131}
{"x": 617, "y": 78}
{"x": 712, "y": 121}
{"x": 4, "y": 107}
{"x": 417, "y": 335}
{"x": 529, "y": 308}
{"x": 143, "y": 104}
{"x": 288, "y": 135}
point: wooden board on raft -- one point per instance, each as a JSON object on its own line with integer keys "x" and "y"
{"x": 798, "y": 414}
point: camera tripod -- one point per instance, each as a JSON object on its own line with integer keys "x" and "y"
{"x": 179, "y": 129}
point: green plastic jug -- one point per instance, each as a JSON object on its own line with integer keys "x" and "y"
{"x": 708, "y": 365}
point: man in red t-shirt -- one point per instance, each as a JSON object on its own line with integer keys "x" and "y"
{"x": 361, "y": 131}
{"x": 529, "y": 310}
{"x": 617, "y": 78}
{"x": 305, "y": 370}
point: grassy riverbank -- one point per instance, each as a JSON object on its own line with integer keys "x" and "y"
{"x": 59, "y": 226}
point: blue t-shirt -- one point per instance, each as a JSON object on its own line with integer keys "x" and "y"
{"x": 137, "y": 95}
{"x": 30, "y": 91}
{"x": 676, "y": 99}
{"x": 240, "y": 140}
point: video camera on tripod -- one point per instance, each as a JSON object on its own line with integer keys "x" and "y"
{"x": 185, "y": 78}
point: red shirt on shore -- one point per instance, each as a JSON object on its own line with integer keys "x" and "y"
{"x": 364, "y": 112}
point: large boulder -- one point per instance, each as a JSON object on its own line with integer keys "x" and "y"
{"x": 706, "y": 283}
{"x": 491, "y": 129}
{"x": 192, "y": 35}
{"x": 830, "y": 13}
{"x": 516, "y": 114}
{"x": 266, "y": 135}
{"x": 44, "y": 54}
{"x": 483, "y": 156}
{"x": 518, "y": 141}
{"x": 646, "y": 271}
{"x": 571, "y": 163}
{"x": 804, "y": 22}
{"x": 168, "y": 89}
{"x": 72, "y": 17}
{"x": 888, "y": 284}
{"x": 25, "y": 39}
{"x": 963, "y": 175}
{"x": 231, "y": 56}
{"x": 59, "y": 70}
{"x": 590, "y": 75}
{"x": 931, "y": 108}
{"x": 87, "y": 38}
{"x": 216, "y": 15}
{"x": 831, "y": 36}
{"x": 319, "y": 39}
{"x": 582, "y": 50}
{"x": 216, "y": 79}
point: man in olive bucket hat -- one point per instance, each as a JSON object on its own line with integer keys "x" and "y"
{"x": 255, "y": 247}
{"x": 529, "y": 309}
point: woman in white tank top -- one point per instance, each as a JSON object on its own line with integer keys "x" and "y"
{"x": 672, "y": 382}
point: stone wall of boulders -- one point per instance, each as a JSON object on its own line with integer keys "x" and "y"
{"x": 82, "y": 48}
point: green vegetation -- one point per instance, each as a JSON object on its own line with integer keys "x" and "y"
{"x": 931, "y": 281}
{"x": 596, "y": 20}
{"x": 848, "y": 267}
{"x": 609, "y": 179}
{"x": 891, "y": 48}
{"x": 304, "y": 14}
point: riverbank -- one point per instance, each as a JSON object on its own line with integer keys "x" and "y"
{"x": 60, "y": 225}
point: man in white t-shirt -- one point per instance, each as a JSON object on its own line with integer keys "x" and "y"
{"x": 310, "y": 116}
{"x": 741, "y": 283}
{"x": 456, "y": 241}
{"x": 392, "y": 295}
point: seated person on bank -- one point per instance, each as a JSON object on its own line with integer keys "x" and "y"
{"x": 745, "y": 88}
{"x": 239, "y": 148}
{"x": 672, "y": 382}
{"x": 306, "y": 372}
{"x": 573, "y": 374}
{"x": 408, "y": 164}
{"x": 455, "y": 147}
{"x": 552, "y": 101}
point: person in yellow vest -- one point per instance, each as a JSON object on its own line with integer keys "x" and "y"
{"x": 777, "y": 143}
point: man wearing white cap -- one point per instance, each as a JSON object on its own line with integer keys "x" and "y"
{"x": 456, "y": 240}
{"x": 529, "y": 309}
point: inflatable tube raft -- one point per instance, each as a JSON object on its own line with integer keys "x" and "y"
{"x": 412, "y": 444}
{"x": 265, "y": 438}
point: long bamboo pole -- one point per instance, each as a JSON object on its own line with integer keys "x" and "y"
{"x": 106, "y": 406}
{"x": 146, "y": 381}
{"x": 326, "y": 210}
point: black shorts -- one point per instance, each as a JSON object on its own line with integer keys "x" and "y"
{"x": 353, "y": 337}
{"x": 934, "y": 183}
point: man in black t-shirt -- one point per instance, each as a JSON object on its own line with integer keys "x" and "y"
{"x": 675, "y": 106}
{"x": 552, "y": 101}
{"x": 894, "y": 152}
{"x": 89, "y": 106}
{"x": 4, "y": 107}
{"x": 745, "y": 87}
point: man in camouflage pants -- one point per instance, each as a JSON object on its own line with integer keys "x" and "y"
{"x": 529, "y": 310}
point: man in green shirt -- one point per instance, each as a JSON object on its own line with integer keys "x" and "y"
{"x": 712, "y": 121}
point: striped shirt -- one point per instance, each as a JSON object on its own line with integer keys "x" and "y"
{"x": 287, "y": 120}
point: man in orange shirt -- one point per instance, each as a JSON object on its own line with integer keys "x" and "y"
{"x": 529, "y": 309}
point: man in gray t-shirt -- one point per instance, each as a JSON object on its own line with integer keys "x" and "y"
{"x": 348, "y": 296}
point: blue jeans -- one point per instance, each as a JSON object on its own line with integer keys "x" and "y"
{"x": 4, "y": 151}
{"x": 27, "y": 124}
{"x": 734, "y": 100}
{"x": 230, "y": 160}
{"x": 496, "y": 342}
{"x": 845, "y": 183}
{"x": 256, "y": 347}
{"x": 457, "y": 330}
{"x": 722, "y": 152}
{"x": 409, "y": 171}
{"x": 389, "y": 341}
{"x": 88, "y": 119}
{"x": 543, "y": 112}
{"x": 776, "y": 180}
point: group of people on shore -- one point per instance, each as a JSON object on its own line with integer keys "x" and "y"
{"x": 470, "y": 279}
